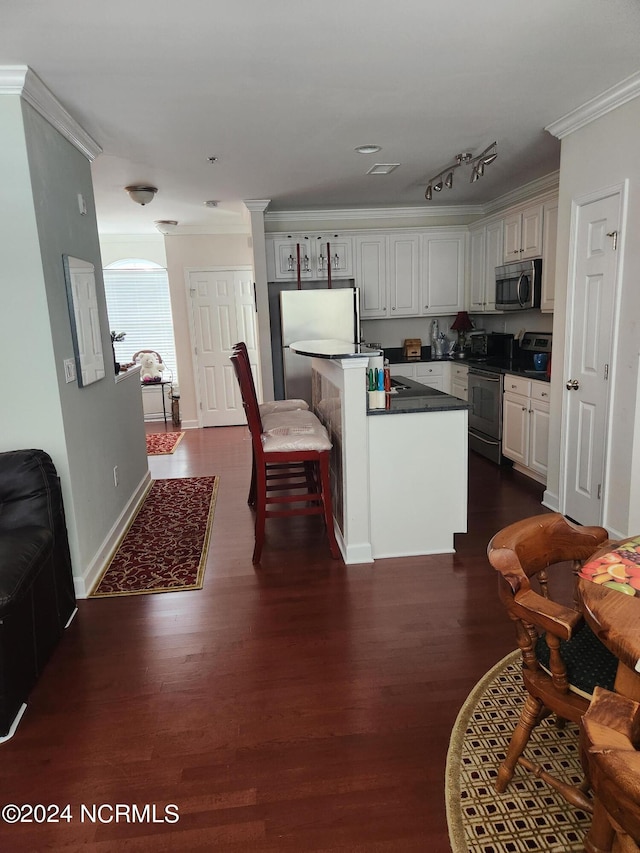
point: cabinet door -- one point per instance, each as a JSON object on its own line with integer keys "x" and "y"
{"x": 404, "y": 275}
{"x": 531, "y": 232}
{"x": 340, "y": 256}
{"x": 549, "y": 240}
{"x": 285, "y": 255}
{"x": 371, "y": 276}
{"x": 494, "y": 256}
{"x": 477, "y": 269}
{"x": 515, "y": 427}
{"x": 539, "y": 437}
{"x": 459, "y": 388}
{"x": 512, "y": 237}
{"x": 443, "y": 274}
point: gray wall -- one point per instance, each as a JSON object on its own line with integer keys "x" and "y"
{"x": 86, "y": 430}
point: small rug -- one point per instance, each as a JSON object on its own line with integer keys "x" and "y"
{"x": 529, "y": 816}
{"x": 162, "y": 443}
{"x": 165, "y": 547}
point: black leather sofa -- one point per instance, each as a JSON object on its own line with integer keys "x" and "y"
{"x": 37, "y": 598}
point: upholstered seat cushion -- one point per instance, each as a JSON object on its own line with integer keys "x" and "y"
{"x": 23, "y": 553}
{"x": 271, "y": 407}
{"x": 298, "y": 430}
{"x": 589, "y": 663}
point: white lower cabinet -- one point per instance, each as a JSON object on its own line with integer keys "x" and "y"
{"x": 525, "y": 425}
{"x": 459, "y": 381}
{"x": 433, "y": 374}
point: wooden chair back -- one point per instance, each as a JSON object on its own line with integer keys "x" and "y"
{"x": 535, "y": 558}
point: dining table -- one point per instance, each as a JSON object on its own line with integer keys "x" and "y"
{"x": 609, "y": 597}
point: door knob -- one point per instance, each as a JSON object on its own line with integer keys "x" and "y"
{"x": 573, "y": 385}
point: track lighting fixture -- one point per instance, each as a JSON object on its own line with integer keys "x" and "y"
{"x": 466, "y": 158}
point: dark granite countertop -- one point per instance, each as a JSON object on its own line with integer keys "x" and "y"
{"x": 414, "y": 397}
{"x": 395, "y": 356}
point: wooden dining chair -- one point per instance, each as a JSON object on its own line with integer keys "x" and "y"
{"x": 303, "y": 447}
{"x": 270, "y": 407}
{"x": 266, "y": 409}
{"x": 609, "y": 743}
{"x": 562, "y": 659}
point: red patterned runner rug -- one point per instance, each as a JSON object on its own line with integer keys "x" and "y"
{"x": 162, "y": 443}
{"x": 165, "y": 547}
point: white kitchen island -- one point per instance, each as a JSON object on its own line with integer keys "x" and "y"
{"x": 399, "y": 473}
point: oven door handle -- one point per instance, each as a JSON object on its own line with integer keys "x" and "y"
{"x": 484, "y": 378}
{"x": 492, "y": 441}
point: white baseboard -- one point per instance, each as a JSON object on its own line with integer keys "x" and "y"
{"x": 189, "y": 425}
{"x": 551, "y": 501}
{"x": 85, "y": 583}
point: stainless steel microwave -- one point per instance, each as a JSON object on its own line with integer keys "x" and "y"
{"x": 519, "y": 285}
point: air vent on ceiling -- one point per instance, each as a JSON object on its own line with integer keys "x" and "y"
{"x": 382, "y": 168}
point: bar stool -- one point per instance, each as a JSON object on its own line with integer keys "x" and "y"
{"x": 298, "y": 441}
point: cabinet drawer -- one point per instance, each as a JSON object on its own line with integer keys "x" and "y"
{"x": 428, "y": 370}
{"x": 540, "y": 391}
{"x": 460, "y": 370}
{"x": 517, "y": 384}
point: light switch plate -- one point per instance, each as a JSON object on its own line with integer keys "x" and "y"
{"x": 69, "y": 370}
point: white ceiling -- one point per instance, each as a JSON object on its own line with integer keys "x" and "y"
{"x": 282, "y": 91}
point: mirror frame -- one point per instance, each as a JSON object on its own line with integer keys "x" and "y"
{"x": 80, "y": 281}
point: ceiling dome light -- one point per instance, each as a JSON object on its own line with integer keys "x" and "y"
{"x": 368, "y": 149}
{"x": 166, "y": 226}
{"x": 141, "y": 194}
{"x": 211, "y": 203}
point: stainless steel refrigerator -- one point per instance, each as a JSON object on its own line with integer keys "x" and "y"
{"x": 311, "y": 315}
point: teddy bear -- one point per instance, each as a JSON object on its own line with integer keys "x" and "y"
{"x": 150, "y": 368}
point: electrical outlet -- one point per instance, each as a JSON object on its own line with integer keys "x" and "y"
{"x": 69, "y": 370}
{"x": 116, "y": 476}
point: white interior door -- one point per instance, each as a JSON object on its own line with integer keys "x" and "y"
{"x": 223, "y": 313}
{"x": 589, "y": 333}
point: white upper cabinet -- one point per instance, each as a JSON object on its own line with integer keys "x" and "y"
{"x": 371, "y": 275}
{"x": 486, "y": 253}
{"x": 442, "y": 283}
{"x": 523, "y": 234}
{"x": 404, "y": 275}
{"x": 549, "y": 240}
{"x": 283, "y": 253}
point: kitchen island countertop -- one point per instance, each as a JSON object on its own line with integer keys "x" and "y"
{"x": 414, "y": 397}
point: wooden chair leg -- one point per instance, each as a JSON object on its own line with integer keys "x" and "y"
{"x": 529, "y": 717}
{"x": 325, "y": 490}
{"x": 601, "y": 834}
{"x": 251, "y": 500}
{"x": 261, "y": 511}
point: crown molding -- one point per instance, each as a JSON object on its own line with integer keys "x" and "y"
{"x": 256, "y": 205}
{"x": 371, "y": 213}
{"x": 621, "y": 93}
{"x": 548, "y": 183}
{"x": 21, "y": 80}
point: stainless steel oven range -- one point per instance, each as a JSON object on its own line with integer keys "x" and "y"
{"x": 485, "y": 412}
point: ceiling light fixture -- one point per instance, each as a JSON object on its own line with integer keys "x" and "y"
{"x": 141, "y": 194}
{"x": 166, "y": 226}
{"x": 368, "y": 149}
{"x": 466, "y": 158}
{"x": 211, "y": 203}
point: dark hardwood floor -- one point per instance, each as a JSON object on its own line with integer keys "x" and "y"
{"x": 298, "y": 706}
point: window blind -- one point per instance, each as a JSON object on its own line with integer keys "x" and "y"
{"x": 138, "y": 304}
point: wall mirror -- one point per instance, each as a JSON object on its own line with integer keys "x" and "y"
{"x": 80, "y": 280}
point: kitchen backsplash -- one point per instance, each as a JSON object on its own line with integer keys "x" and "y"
{"x": 392, "y": 332}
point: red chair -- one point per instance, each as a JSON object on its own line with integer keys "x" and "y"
{"x": 267, "y": 409}
{"x": 303, "y": 447}
{"x": 272, "y": 406}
